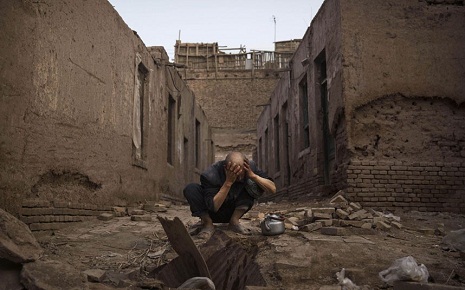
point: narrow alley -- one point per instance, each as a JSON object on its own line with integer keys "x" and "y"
{"x": 360, "y": 125}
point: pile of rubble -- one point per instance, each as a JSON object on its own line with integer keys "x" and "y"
{"x": 335, "y": 216}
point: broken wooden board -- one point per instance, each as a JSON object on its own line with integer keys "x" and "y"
{"x": 190, "y": 262}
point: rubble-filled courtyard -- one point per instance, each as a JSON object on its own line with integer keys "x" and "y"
{"x": 123, "y": 249}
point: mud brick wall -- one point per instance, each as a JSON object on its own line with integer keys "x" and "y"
{"x": 232, "y": 101}
{"x": 423, "y": 186}
{"x": 42, "y": 215}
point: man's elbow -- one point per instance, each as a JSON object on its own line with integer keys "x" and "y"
{"x": 271, "y": 190}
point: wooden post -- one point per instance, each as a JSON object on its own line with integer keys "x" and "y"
{"x": 187, "y": 55}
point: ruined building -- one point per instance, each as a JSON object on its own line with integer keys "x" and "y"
{"x": 232, "y": 86}
{"x": 374, "y": 103}
{"x": 90, "y": 116}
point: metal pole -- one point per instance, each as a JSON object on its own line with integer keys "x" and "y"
{"x": 274, "y": 20}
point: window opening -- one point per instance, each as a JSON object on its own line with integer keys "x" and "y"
{"x": 305, "y": 126}
{"x": 276, "y": 143}
{"x": 171, "y": 129}
{"x": 328, "y": 140}
{"x": 197, "y": 143}
{"x": 140, "y": 114}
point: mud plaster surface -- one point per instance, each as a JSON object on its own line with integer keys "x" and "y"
{"x": 410, "y": 128}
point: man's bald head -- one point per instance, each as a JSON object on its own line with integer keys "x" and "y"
{"x": 236, "y": 157}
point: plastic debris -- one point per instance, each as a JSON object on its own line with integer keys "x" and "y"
{"x": 405, "y": 269}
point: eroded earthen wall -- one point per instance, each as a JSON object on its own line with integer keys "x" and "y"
{"x": 396, "y": 105}
{"x": 410, "y": 129}
{"x": 403, "y": 85}
{"x": 69, "y": 75}
{"x": 300, "y": 172}
{"x": 411, "y": 154}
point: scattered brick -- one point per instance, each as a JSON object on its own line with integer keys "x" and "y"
{"x": 95, "y": 275}
{"x": 328, "y": 210}
{"x": 378, "y": 219}
{"x": 288, "y": 226}
{"x": 355, "y": 206}
{"x": 293, "y": 220}
{"x": 342, "y": 213}
{"x": 326, "y": 223}
{"x": 333, "y": 231}
{"x": 396, "y": 225}
{"x": 311, "y": 227}
{"x": 149, "y": 207}
{"x": 137, "y": 212}
{"x": 119, "y": 211}
{"x": 105, "y": 216}
{"x": 322, "y": 215}
{"x": 367, "y": 225}
{"x": 383, "y": 226}
{"x": 358, "y": 215}
{"x": 357, "y": 224}
{"x": 164, "y": 203}
{"x": 336, "y": 223}
{"x": 308, "y": 214}
{"x": 139, "y": 218}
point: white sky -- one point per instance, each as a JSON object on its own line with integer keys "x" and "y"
{"x": 230, "y": 23}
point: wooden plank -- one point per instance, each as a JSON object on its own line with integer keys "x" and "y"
{"x": 183, "y": 244}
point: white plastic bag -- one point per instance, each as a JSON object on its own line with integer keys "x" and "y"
{"x": 405, "y": 269}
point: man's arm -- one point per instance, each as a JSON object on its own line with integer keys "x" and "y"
{"x": 232, "y": 172}
{"x": 267, "y": 185}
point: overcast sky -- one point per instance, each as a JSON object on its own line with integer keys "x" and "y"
{"x": 249, "y": 23}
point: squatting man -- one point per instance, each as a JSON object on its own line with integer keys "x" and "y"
{"x": 226, "y": 192}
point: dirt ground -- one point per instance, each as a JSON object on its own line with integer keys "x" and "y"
{"x": 293, "y": 260}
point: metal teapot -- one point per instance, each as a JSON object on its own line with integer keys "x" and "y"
{"x": 273, "y": 224}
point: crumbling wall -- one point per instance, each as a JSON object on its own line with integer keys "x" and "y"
{"x": 404, "y": 101}
{"x": 184, "y": 166}
{"x": 409, "y": 153}
{"x": 300, "y": 171}
{"x": 415, "y": 48}
{"x": 410, "y": 128}
{"x": 71, "y": 76}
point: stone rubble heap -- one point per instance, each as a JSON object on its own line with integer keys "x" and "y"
{"x": 334, "y": 216}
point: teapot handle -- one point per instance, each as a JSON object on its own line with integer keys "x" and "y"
{"x": 267, "y": 221}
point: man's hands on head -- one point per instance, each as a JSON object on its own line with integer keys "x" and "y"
{"x": 233, "y": 171}
{"x": 248, "y": 170}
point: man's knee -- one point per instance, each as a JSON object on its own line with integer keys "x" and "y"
{"x": 192, "y": 189}
{"x": 244, "y": 202}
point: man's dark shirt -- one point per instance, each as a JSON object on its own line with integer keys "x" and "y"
{"x": 213, "y": 178}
